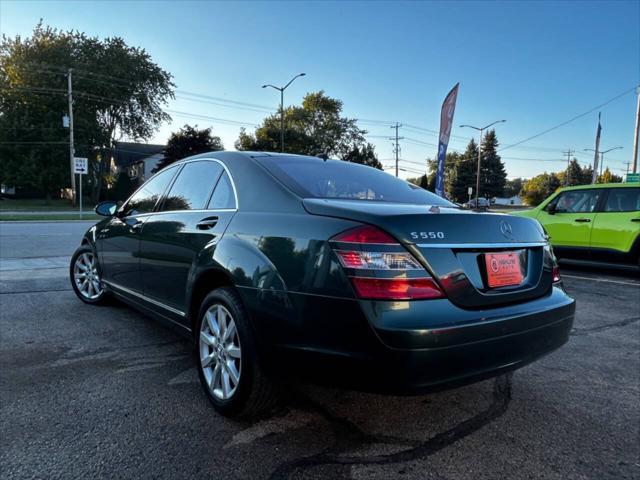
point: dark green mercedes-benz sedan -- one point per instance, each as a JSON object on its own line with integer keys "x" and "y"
{"x": 285, "y": 266}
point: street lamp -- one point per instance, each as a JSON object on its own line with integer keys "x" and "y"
{"x": 480, "y": 129}
{"x": 602, "y": 155}
{"x": 281, "y": 90}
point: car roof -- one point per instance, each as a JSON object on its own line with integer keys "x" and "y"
{"x": 599, "y": 185}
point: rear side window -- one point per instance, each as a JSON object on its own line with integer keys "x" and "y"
{"x": 145, "y": 199}
{"x": 193, "y": 186}
{"x": 623, "y": 200}
{"x": 223, "y": 196}
{"x": 311, "y": 177}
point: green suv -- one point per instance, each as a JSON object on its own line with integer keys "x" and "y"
{"x": 597, "y": 222}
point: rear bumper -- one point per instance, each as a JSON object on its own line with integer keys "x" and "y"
{"x": 433, "y": 345}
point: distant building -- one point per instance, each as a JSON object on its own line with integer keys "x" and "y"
{"x": 515, "y": 200}
{"x": 137, "y": 159}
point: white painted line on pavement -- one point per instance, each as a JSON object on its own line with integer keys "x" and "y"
{"x": 599, "y": 279}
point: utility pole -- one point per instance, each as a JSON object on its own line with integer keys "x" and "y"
{"x": 396, "y": 146}
{"x": 568, "y": 154}
{"x": 634, "y": 159}
{"x": 627, "y": 164}
{"x": 71, "y": 148}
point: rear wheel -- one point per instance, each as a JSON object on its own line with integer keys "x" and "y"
{"x": 227, "y": 358}
{"x": 84, "y": 272}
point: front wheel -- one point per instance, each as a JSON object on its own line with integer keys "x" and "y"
{"x": 227, "y": 358}
{"x": 85, "y": 276}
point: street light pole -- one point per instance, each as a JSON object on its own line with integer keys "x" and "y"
{"x": 602, "y": 156}
{"x": 281, "y": 90}
{"x": 480, "y": 129}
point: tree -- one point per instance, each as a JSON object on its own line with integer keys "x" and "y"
{"x": 573, "y": 174}
{"x": 513, "y": 187}
{"x": 118, "y": 92}
{"x": 421, "y": 181}
{"x": 364, "y": 155}
{"x": 609, "y": 177}
{"x": 189, "y": 141}
{"x": 464, "y": 173}
{"x": 536, "y": 189}
{"x": 315, "y": 127}
{"x": 493, "y": 176}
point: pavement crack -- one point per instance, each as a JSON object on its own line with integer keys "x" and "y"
{"x": 348, "y": 436}
{"x": 606, "y": 326}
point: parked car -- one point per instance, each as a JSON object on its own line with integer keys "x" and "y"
{"x": 482, "y": 202}
{"x": 596, "y": 222}
{"x": 281, "y": 266}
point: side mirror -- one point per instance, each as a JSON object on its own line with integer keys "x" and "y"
{"x": 551, "y": 209}
{"x": 107, "y": 208}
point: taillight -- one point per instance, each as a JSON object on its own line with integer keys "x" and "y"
{"x": 365, "y": 234}
{"x": 380, "y": 268}
{"x": 396, "y": 288}
{"x": 555, "y": 272}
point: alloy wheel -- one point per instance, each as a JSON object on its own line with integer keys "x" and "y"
{"x": 86, "y": 276}
{"x": 220, "y": 352}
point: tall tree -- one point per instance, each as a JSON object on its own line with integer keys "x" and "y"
{"x": 315, "y": 127}
{"x": 364, "y": 155}
{"x": 118, "y": 92}
{"x": 573, "y": 173}
{"x": 493, "y": 176}
{"x": 464, "y": 174}
{"x": 189, "y": 141}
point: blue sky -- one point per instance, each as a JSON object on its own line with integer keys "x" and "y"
{"x": 535, "y": 64}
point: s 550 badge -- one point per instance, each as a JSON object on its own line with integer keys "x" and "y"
{"x": 427, "y": 235}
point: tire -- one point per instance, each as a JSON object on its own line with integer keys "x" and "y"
{"x": 236, "y": 356}
{"x": 85, "y": 276}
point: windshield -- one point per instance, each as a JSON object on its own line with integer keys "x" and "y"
{"x": 311, "y": 177}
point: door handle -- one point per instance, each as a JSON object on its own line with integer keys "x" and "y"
{"x": 207, "y": 223}
{"x": 635, "y": 219}
{"x": 583, "y": 220}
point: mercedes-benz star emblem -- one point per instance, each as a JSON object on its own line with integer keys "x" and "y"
{"x": 505, "y": 228}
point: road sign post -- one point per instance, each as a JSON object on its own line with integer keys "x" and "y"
{"x": 633, "y": 178}
{"x": 80, "y": 166}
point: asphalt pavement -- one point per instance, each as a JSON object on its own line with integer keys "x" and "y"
{"x": 105, "y": 392}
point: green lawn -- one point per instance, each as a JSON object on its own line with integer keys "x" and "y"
{"x": 4, "y": 217}
{"x": 40, "y": 205}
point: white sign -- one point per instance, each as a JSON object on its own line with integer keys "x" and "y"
{"x": 65, "y": 121}
{"x": 470, "y": 190}
{"x": 80, "y": 165}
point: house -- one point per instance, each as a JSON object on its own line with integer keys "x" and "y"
{"x": 137, "y": 159}
{"x": 515, "y": 200}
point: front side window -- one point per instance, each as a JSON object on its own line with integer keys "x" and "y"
{"x": 223, "y": 196}
{"x": 193, "y": 186}
{"x": 145, "y": 199}
{"x": 623, "y": 200}
{"x": 311, "y": 177}
{"x": 577, "y": 201}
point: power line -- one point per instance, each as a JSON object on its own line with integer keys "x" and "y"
{"x": 570, "y": 120}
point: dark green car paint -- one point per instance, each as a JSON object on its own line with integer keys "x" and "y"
{"x": 276, "y": 250}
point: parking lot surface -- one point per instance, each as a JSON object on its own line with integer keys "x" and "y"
{"x": 106, "y": 392}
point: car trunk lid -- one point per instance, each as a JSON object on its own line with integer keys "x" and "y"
{"x": 452, "y": 244}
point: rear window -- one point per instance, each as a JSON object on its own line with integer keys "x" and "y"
{"x": 311, "y": 177}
